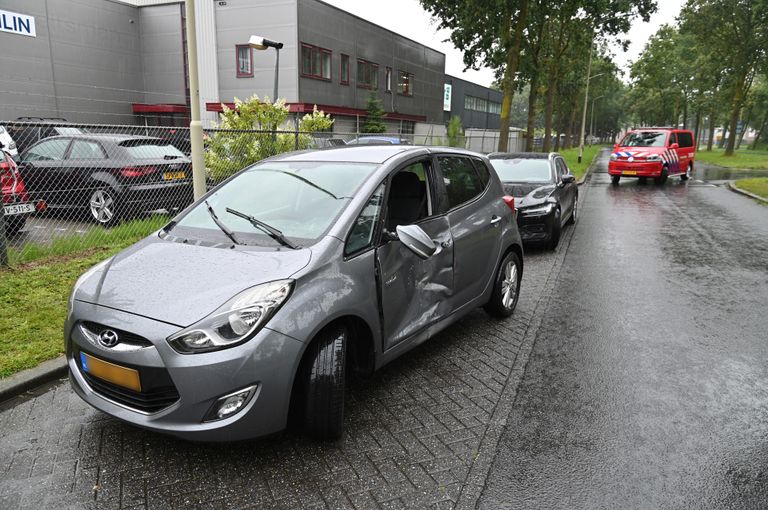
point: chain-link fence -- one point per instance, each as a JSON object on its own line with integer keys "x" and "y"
{"x": 68, "y": 187}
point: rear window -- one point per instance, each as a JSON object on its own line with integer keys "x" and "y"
{"x": 645, "y": 139}
{"x": 68, "y": 131}
{"x": 522, "y": 170}
{"x": 151, "y": 149}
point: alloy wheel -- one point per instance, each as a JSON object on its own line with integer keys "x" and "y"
{"x": 102, "y": 206}
{"x": 509, "y": 284}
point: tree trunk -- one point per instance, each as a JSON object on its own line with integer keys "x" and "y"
{"x": 510, "y": 69}
{"x": 548, "y": 113}
{"x": 572, "y": 128}
{"x": 697, "y": 129}
{"x": 685, "y": 114}
{"x": 747, "y": 120}
{"x": 759, "y": 131}
{"x": 738, "y": 99}
{"x": 531, "y": 126}
{"x": 558, "y": 129}
{"x": 711, "y": 138}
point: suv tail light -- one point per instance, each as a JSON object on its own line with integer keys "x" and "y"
{"x": 7, "y": 175}
{"x": 137, "y": 171}
{"x": 510, "y": 201}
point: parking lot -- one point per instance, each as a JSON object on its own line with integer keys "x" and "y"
{"x": 421, "y": 433}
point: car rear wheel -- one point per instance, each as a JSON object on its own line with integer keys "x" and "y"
{"x": 102, "y": 205}
{"x": 14, "y": 225}
{"x": 324, "y": 376}
{"x": 574, "y": 211}
{"x": 506, "y": 288}
{"x": 687, "y": 174}
{"x": 615, "y": 179}
{"x": 662, "y": 178}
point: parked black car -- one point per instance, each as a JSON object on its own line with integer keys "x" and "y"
{"x": 545, "y": 192}
{"x": 109, "y": 175}
{"x": 27, "y": 131}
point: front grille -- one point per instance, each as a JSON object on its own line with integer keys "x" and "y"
{"x": 158, "y": 392}
{"x": 125, "y": 336}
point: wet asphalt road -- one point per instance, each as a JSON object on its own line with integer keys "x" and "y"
{"x": 647, "y": 386}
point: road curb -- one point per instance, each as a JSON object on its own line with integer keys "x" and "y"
{"x": 589, "y": 169}
{"x": 29, "y": 379}
{"x": 746, "y": 193}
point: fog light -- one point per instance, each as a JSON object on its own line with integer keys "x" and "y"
{"x": 231, "y": 404}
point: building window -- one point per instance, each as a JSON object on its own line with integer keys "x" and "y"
{"x": 315, "y": 62}
{"x": 479, "y": 104}
{"x": 495, "y": 108}
{"x": 404, "y": 83}
{"x": 344, "y": 69}
{"x": 407, "y": 127}
{"x": 244, "y": 56}
{"x": 367, "y": 75}
{"x": 388, "y": 79}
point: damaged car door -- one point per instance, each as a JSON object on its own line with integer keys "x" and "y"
{"x": 415, "y": 291}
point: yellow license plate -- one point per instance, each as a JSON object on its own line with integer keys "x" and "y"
{"x": 173, "y": 176}
{"x": 629, "y": 172}
{"x": 121, "y": 376}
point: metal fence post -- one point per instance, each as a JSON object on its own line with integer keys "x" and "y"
{"x": 3, "y": 243}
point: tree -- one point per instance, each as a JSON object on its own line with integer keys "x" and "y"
{"x": 735, "y": 34}
{"x": 455, "y": 132}
{"x": 490, "y": 33}
{"x": 246, "y": 134}
{"x": 374, "y": 121}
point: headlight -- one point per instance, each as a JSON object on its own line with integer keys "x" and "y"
{"x": 614, "y": 157}
{"x": 236, "y": 321}
{"x": 654, "y": 157}
{"x": 538, "y": 211}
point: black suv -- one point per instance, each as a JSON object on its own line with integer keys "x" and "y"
{"x": 27, "y": 131}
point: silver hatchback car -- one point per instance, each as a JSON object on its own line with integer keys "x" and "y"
{"x": 259, "y": 301}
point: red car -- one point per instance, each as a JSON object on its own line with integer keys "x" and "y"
{"x": 16, "y": 202}
{"x": 653, "y": 152}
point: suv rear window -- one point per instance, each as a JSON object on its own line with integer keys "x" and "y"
{"x": 645, "y": 139}
{"x": 151, "y": 149}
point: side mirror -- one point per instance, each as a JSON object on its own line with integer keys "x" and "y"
{"x": 615, "y": 146}
{"x": 416, "y": 240}
{"x": 674, "y": 146}
{"x": 569, "y": 178}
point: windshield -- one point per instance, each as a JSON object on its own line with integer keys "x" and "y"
{"x": 300, "y": 199}
{"x": 522, "y": 170}
{"x": 150, "y": 149}
{"x": 644, "y": 139}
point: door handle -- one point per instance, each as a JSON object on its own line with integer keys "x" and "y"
{"x": 495, "y": 220}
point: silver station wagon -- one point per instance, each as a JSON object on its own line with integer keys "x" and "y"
{"x": 263, "y": 298}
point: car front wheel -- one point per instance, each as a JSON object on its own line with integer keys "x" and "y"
{"x": 324, "y": 378}
{"x": 506, "y": 288}
{"x": 14, "y": 225}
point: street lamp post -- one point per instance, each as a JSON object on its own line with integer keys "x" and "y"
{"x": 586, "y": 99}
{"x": 260, "y": 43}
{"x": 195, "y": 124}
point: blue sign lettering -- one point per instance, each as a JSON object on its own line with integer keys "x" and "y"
{"x": 15, "y": 23}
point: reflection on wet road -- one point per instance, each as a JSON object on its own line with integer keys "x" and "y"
{"x": 648, "y": 382}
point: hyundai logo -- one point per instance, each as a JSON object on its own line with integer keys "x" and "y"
{"x": 108, "y": 338}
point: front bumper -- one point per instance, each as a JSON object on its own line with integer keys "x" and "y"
{"x": 635, "y": 169}
{"x": 535, "y": 228}
{"x": 269, "y": 361}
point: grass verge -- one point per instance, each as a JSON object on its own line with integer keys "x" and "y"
{"x": 744, "y": 158}
{"x": 33, "y": 296}
{"x": 758, "y": 186}
{"x": 571, "y": 157}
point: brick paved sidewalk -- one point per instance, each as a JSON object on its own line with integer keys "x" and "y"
{"x": 422, "y": 433}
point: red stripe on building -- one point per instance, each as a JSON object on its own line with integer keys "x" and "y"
{"x": 160, "y": 108}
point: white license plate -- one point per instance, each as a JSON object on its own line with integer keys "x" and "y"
{"x": 13, "y": 209}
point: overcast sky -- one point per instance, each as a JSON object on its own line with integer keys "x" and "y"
{"x": 408, "y": 18}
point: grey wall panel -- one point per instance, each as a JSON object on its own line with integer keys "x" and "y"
{"x": 162, "y": 54}
{"x": 472, "y": 118}
{"x": 235, "y": 23}
{"x": 323, "y": 25}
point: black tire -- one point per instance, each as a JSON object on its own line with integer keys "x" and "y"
{"x": 103, "y": 207}
{"x": 501, "y": 304}
{"x": 642, "y": 180}
{"x": 14, "y": 225}
{"x": 662, "y": 178}
{"x": 688, "y": 172}
{"x": 554, "y": 235}
{"x": 615, "y": 179}
{"x": 324, "y": 378}
{"x": 574, "y": 210}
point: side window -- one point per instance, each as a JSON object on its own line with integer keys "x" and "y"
{"x": 409, "y": 198}
{"x": 462, "y": 183}
{"x": 685, "y": 139}
{"x": 672, "y": 138}
{"x": 361, "y": 235}
{"x": 83, "y": 149}
{"x": 482, "y": 171}
{"x": 50, "y": 150}
{"x": 562, "y": 168}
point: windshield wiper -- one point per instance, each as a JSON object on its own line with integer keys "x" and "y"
{"x": 221, "y": 225}
{"x": 270, "y": 230}
{"x": 306, "y": 181}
